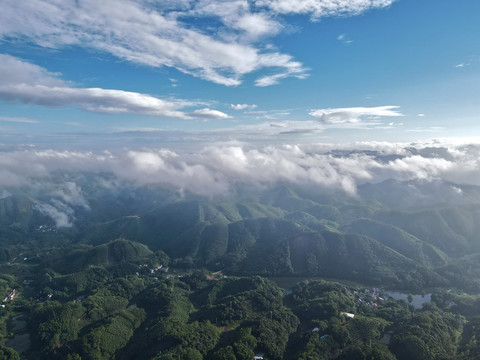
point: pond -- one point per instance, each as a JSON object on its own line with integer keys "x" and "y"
{"x": 417, "y": 300}
{"x": 287, "y": 282}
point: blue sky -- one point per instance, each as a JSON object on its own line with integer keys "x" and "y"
{"x": 290, "y": 71}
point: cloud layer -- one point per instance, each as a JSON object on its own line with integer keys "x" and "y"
{"x": 322, "y": 8}
{"x": 242, "y": 106}
{"x": 174, "y": 33}
{"x": 353, "y": 114}
{"x": 217, "y": 168}
{"x": 32, "y": 84}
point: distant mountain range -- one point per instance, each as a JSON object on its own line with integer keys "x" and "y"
{"x": 405, "y": 234}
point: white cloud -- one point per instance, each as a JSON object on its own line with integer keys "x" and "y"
{"x": 70, "y": 193}
{"x": 426, "y": 129}
{"x": 270, "y": 79}
{"x": 288, "y": 68}
{"x": 456, "y": 190}
{"x": 154, "y": 34}
{"x": 237, "y": 14}
{"x": 418, "y": 167}
{"x": 217, "y": 167}
{"x": 353, "y": 114}
{"x": 275, "y": 129}
{"x": 323, "y": 8}
{"x": 210, "y": 114}
{"x": 243, "y": 106}
{"x": 273, "y": 115}
{"x": 344, "y": 39}
{"x": 93, "y": 99}
{"x": 258, "y": 25}
{"x": 158, "y": 34}
{"x": 32, "y": 84}
{"x": 470, "y": 60}
{"x": 18, "y": 120}
{"x": 61, "y": 218}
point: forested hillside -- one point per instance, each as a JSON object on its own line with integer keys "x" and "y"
{"x": 149, "y": 274}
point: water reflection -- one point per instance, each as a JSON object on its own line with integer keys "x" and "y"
{"x": 417, "y": 300}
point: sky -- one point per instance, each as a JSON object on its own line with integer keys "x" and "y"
{"x": 99, "y": 74}
{"x": 202, "y": 95}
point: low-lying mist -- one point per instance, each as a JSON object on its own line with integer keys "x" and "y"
{"x": 60, "y": 177}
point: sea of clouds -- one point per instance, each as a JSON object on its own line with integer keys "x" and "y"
{"x": 215, "y": 170}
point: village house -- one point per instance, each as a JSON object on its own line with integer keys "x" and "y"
{"x": 12, "y": 294}
{"x": 348, "y": 315}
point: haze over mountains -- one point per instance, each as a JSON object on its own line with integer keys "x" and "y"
{"x": 402, "y": 216}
